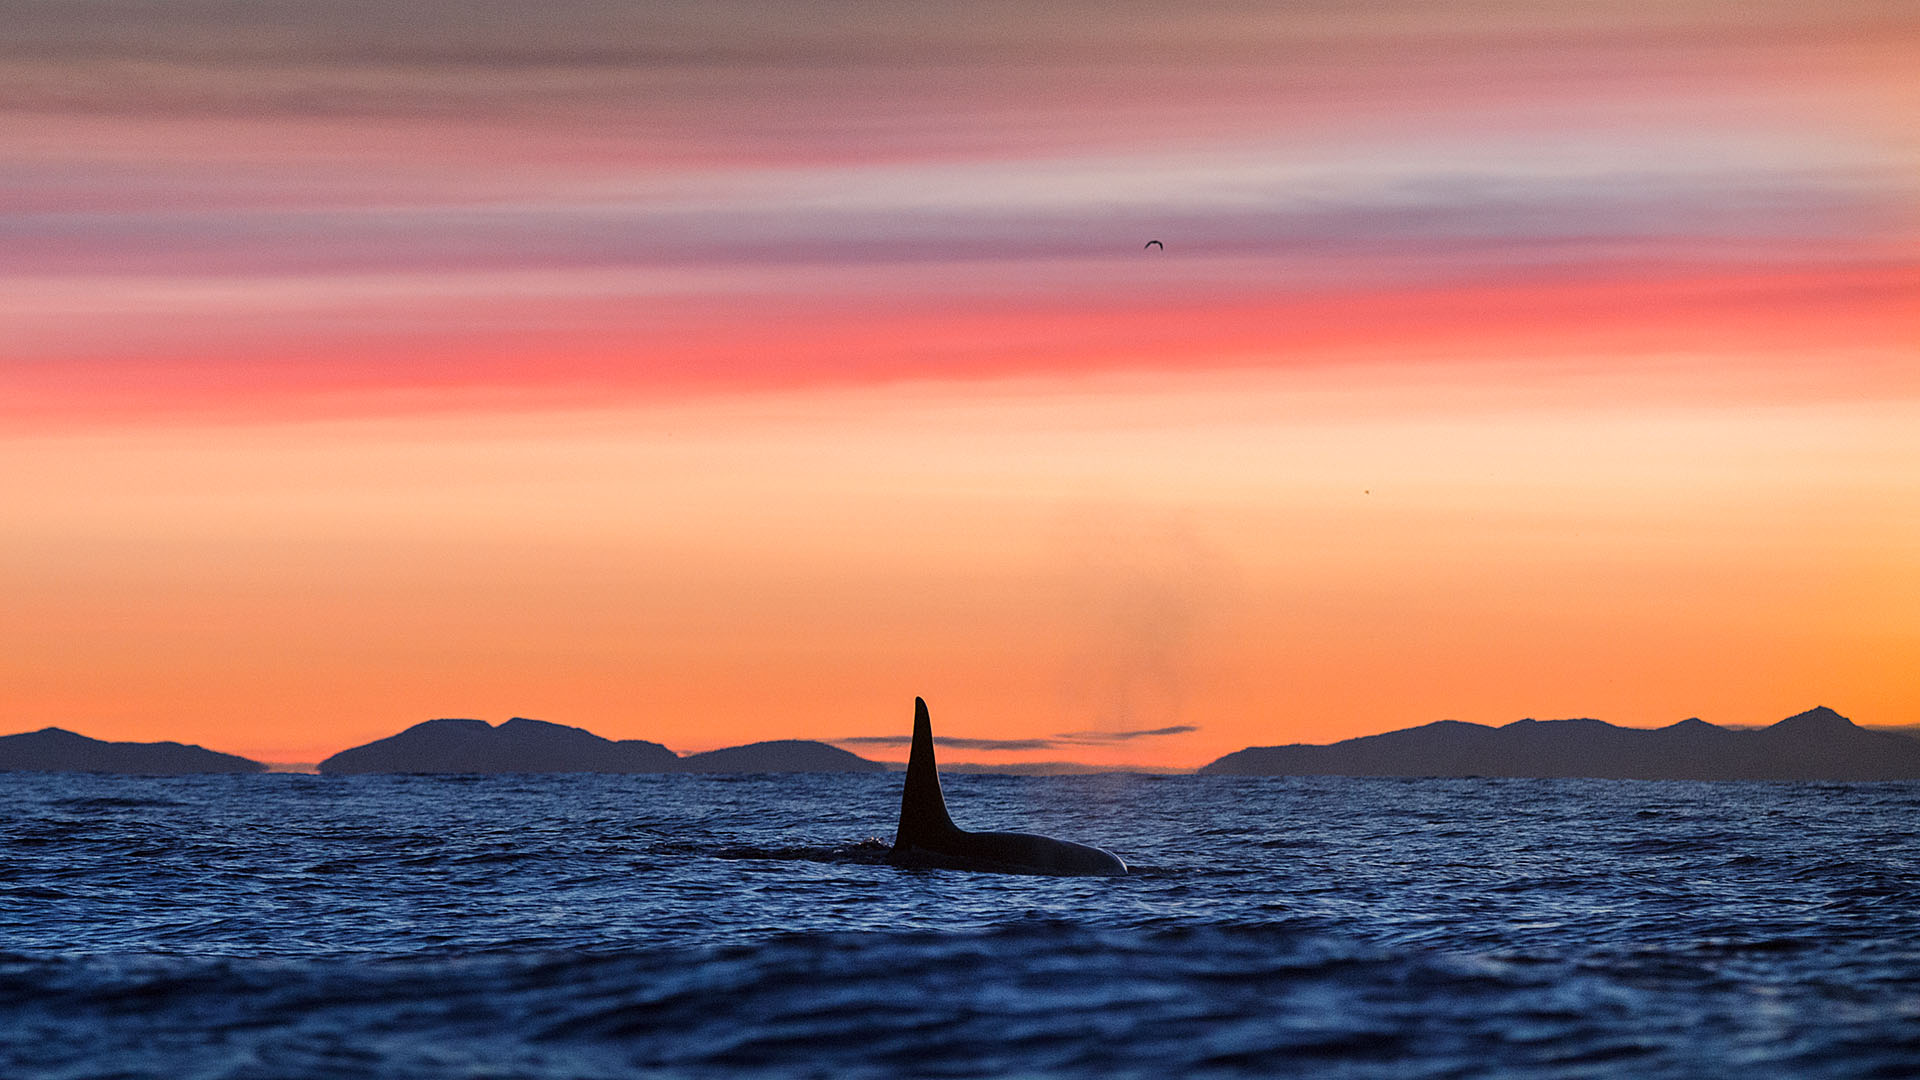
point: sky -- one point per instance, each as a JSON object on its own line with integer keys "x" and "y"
{"x": 721, "y": 371}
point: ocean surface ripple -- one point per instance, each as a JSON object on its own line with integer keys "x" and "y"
{"x": 603, "y": 926}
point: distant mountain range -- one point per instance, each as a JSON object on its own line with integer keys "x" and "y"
{"x": 1819, "y": 744}
{"x": 536, "y": 746}
{"x": 54, "y": 750}
{"x": 437, "y": 746}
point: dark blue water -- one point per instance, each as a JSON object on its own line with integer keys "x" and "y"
{"x": 593, "y": 926}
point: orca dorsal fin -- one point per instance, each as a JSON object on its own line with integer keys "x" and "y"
{"x": 923, "y": 810}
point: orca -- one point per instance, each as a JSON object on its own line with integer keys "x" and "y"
{"x": 927, "y": 837}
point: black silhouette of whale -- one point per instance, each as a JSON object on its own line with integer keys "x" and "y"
{"x": 927, "y": 837}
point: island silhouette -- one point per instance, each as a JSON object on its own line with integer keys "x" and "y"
{"x": 1818, "y": 744}
{"x": 521, "y": 745}
{"x": 58, "y": 750}
{"x": 779, "y": 755}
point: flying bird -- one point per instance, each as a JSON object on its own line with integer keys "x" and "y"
{"x": 1154, "y": 244}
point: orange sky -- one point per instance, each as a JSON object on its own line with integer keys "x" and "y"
{"x": 722, "y": 376}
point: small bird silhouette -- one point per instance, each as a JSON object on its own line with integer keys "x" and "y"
{"x": 1154, "y": 244}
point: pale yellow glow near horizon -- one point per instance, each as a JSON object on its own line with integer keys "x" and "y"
{"x": 1271, "y": 557}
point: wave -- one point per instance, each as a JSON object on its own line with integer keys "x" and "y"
{"x": 603, "y": 926}
{"x": 1029, "y": 996}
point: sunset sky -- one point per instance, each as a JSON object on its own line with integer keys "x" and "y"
{"x": 718, "y": 371}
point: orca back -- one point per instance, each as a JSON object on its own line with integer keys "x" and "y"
{"x": 928, "y": 837}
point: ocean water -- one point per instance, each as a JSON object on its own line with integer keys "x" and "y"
{"x": 614, "y": 926}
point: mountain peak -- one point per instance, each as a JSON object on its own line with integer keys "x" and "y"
{"x": 1818, "y": 718}
{"x": 521, "y": 724}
